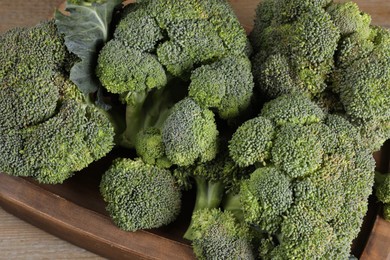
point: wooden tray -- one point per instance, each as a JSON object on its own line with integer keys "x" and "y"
{"x": 75, "y": 211}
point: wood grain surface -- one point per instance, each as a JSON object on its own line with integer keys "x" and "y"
{"x": 19, "y": 240}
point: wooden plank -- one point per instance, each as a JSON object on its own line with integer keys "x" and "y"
{"x": 378, "y": 245}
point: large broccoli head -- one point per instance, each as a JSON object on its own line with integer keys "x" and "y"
{"x": 305, "y": 159}
{"x": 48, "y": 130}
{"x": 140, "y": 196}
{"x": 330, "y": 52}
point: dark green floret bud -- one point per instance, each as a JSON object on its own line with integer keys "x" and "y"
{"x": 127, "y": 71}
{"x": 140, "y": 196}
{"x": 265, "y": 196}
{"x": 218, "y": 235}
{"x": 189, "y": 133}
{"x": 293, "y": 109}
{"x": 298, "y": 150}
{"x": 225, "y": 85}
{"x": 252, "y": 142}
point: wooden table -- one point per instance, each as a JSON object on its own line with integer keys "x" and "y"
{"x": 21, "y": 240}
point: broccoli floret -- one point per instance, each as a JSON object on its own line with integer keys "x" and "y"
{"x": 349, "y": 19}
{"x": 294, "y": 44}
{"x": 189, "y": 133}
{"x": 364, "y": 92}
{"x": 382, "y": 187}
{"x": 225, "y": 85}
{"x": 304, "y": 235}
{"x": 140, "y": 196}
{"x": 128, "y": 71}
{"x": 49, "y": 129}
{"x": 252, "y": 142}
{"x": 382, "y": 192}
{"x": 265, "y": 196}
{"x": 292, "y": 109}
{"x": 218, "y": 235}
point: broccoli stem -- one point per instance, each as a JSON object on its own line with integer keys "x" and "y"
{"x": 208, "y": 195}
{"x": 149, "y": 109}
{"x": 232, "y": 203}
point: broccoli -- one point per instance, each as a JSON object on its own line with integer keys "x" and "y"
{"x": 309, "y": 192}
{"x": 225, "y": 85}
{"x": 212, "y": 179}
{"x": 49, "y": 130}
{"x": 163, "y": 52}
{"x": 218, "y": 235}
{"x": 382, "y": 192}
{"x": 294, "y": 43}
{"x": 140, "y": 196}
{"x": 329, "y": 52}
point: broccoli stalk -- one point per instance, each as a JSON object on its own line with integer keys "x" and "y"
{"x": 149, "y": 110}
{"x": 209, "y": 195}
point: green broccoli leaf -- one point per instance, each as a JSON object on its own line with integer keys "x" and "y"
{"x": 86, "y": 28}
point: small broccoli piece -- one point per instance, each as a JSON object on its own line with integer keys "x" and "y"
{"x": 292, "y": 109}
{"x": 304, "y": 235}
{"x": 219, "y": 236}
{"x": 225, "y": 85}
{"x": 386, "y": 212}
{"x": 150, "y": 148}
{"x": 49, "y": 129}
{"x": 138, "y": 30}
{"x": 265, "y": 196}
{"x": 383, "y": 187}
{"x": 189, "y": 133}
{"x": 363, "y": 93}
{"x": 252, "y": 142}
{"x": 349, "y": 19}
{"x": 298, "y": 150}
{"x": 323, "y": 191}
{"x": 382, "y": 192}
{"x": 140, "y": 196}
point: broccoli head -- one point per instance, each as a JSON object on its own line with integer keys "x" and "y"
{"x": 158, "y": 44}
{"x": 225, "y": 85}
{"x": 265, "y": 196}
{"x": 49, "y": 130}
{"x": 309, "y": 193}
{"x": 382, "y": 192}
{"x": 189, "y": 133}
{"x": 294, "y": 44}
{"x": 218, "y": 235}
{"x": 140, "y": 196}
